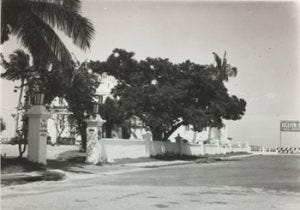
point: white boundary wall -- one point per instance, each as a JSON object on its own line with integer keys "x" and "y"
{"x": 112, "y": 149}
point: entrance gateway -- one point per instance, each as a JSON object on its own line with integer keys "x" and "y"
{"x": 288, "y": 126}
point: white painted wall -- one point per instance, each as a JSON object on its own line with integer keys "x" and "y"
{"x": 113, "y": 149}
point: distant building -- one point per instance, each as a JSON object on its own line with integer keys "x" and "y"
{"x": 208, "y": 135}
{"x": 59, "y": 126}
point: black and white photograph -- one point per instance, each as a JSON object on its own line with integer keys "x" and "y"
{"x": 150, "y": 104}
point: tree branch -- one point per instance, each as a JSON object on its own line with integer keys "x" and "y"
{"x": 173, "y": 129}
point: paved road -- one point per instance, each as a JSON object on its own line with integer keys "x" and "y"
{"x": 268, "y": 182}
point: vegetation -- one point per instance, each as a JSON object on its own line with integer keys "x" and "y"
{"x": 114, "y": 115}
{"x": 53, "y": 69}
{"x": 33, "y": 23}
{"x": 165, "y": 95}
{"x": 80, "y": 98}
{"x": 2, "y": 125}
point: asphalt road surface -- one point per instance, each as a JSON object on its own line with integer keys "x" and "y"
{"x": 259, "y": 182}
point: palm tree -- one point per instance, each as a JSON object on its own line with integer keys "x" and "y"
{"x": 33, "y": 23}
{"x": 18, "y": 68}
{"x": 223, "y": 70}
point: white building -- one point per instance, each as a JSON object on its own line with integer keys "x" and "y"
{"x": 59, "y": 127}
{"x": 208, "y": 135}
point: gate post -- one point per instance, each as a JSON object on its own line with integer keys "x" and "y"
{"x": 37, "y": 134}
{"x": 179, "y": 142}
{"x": 94, "y": 133}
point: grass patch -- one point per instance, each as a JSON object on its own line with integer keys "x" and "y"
{"x": 173, "y": 157}
{"x": 198, "y": 159}
{"x": 23, "y": 179}
{"x": 19, "y": 165}
{"x": 134, "y": 160}
{"x": 73, "y": 156}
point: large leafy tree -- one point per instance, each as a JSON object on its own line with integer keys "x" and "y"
{"x": 33, "y": 23}
{"x": 167, "y": 95}
{"x": 80, "y": 97}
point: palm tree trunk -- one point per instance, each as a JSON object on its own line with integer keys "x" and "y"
{"x": 17, "y": 121}
{"x": 18, "y": 107}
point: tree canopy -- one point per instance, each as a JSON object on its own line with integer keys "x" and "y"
{"x": 165, "y": 95}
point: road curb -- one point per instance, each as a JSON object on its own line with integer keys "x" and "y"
{"x": 235, "y": 157}
{"x": 157, "y": 164}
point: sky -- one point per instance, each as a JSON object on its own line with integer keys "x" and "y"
{"x": 261, "y": 39}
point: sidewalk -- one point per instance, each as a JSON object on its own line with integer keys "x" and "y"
{"x": 78, "y": 171}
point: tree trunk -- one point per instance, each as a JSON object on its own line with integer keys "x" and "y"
{"x": 170, "y": 132}
{"x": 157, "y": 134}
{"x": 24, "y": 137}
{"x": 108, "y": 129}
{"x": 18, "y": 107}
{"x": 83, "y": 137}
{"x": 21, "y": 151}
{"x": 125, "y": 132}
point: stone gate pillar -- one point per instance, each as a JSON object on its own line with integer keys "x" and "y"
{"x": 37, "y": 133}
{"x": 147, "y": 137}
{"x": 179, "y": 142}
{"x": 94, "y": 134}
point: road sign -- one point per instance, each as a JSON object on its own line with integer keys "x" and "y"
{"x": 289, "y": 125}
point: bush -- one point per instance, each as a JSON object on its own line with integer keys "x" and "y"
{"x": 66, "y": 141}
{"x": 17, "y": 140}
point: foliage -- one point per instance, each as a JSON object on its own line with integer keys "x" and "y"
{"x": 18, "y": 68}
{"x": 2, "y": 125}
{"x": 80, "y": 98}
{"x": 222, "y": 70}
{"x": 167, "y": 95}
{"x": 114, "y": 115}
{"x": 33, "y": 23}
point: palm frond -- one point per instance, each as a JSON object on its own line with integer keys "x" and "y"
{"x": 72, "y": 4}
{"x": 233, "y": 72}
{"x": 66, "y": 18}
{"x": 18, "y": 66}
{"x": 41, "y": 40}
{"x": 218, "y": 60}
